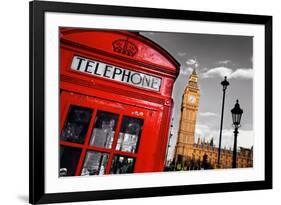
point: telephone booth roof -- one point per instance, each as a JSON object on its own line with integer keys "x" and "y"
{"x": 126, "y": 46}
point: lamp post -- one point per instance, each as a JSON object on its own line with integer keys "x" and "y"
{"x": 224, "y": 84}
{"x": 236, "y": 118}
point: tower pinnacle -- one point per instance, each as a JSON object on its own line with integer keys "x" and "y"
{"x": 193, "y": 78}
{"x": 194, "y": 72}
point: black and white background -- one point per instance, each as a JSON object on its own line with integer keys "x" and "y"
{"x": 213, "y": 57}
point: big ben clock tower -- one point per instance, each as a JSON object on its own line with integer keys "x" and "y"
{"x": 189, "y": 108}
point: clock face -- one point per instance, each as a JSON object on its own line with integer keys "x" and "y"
{"x": 191, "y": 99}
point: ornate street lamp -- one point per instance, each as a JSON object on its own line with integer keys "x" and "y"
{"x": 224, "y": 84}
{"x": 236, "y": 118}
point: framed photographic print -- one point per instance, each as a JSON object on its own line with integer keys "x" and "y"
{"x": 139, "y": 102}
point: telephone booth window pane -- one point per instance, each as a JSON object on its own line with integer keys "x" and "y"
{"x": 122, "y": 165}
{"x": 129, "y": 134}
{"x": 94, "y": 164}
{"x": 69, "y": 158}
{"x": 104, "y": 129}
{"x": 76, "y": 124}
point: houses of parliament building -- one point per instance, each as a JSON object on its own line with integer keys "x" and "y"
{"x": 187, "y": 150}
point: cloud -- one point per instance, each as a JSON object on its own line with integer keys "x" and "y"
{"x": 242, "y": 73}
{"x": 192, "y": 62}
{"x": 245, "y": 137}
{"x": 224, "y": 62}
{"x": 202, "y": 130}
{"x": 204, "y": 69}
{"x": 186, "y": 70}
{"x": 201, "y": 126}
{"x": 208, "y": 114}
{"x": 217, "y": 72}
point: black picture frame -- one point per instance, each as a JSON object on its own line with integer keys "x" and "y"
{"x": 37, "y": 85}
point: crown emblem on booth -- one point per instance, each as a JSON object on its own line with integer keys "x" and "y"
{"x": 125, "y": 47}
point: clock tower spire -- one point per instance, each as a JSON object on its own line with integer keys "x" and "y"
{"x": 189, "y": 108}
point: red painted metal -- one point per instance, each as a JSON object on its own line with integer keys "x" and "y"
{"x": 140, "y": 55}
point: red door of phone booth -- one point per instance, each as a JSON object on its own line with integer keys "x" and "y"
{"x": 115, "y": 102}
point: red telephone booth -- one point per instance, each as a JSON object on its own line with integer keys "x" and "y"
{"x": 115, "y": 102}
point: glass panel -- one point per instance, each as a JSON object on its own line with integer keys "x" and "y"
{"x": 122, "y": 165}
{"x": 94, "y": 164}
{"x": 239, "y": 119}
{"x": 104, "y": 129}
{"x": 69, "y": 158}
{"x": 76, "y": 124}
{"x": 129, "y": 134}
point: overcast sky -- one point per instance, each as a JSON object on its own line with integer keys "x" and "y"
{"x": 214, "y": 57}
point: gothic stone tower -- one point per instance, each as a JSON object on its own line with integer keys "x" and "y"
{"x": 189, "y": 108}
